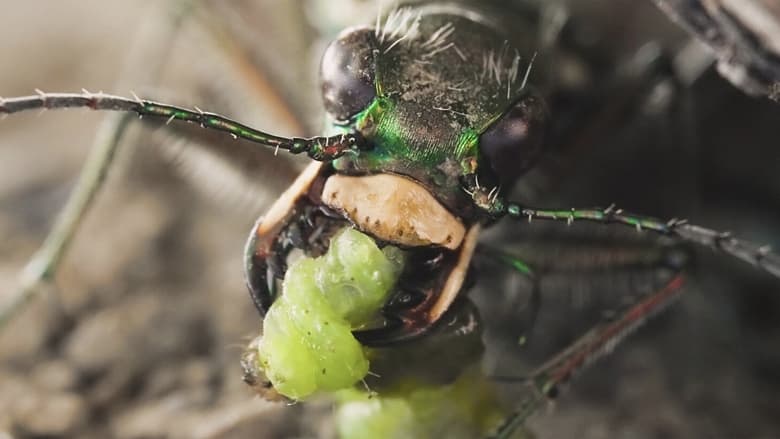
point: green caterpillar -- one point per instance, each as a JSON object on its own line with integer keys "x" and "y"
{"x": 307, "y": 344}
{"x": 467, "y": 408}
{"x": 307, "y": 347}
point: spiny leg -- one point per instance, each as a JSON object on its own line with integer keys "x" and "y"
{"x": 601, "y": 340}
{"x": 583, "y": 255}
{"x": 44, "y": 263}
{"x": 736, "y": 40}
{"x": 602, "y": 271}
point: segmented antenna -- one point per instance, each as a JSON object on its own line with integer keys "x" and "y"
{"x": 317, "y": 148}
{"x": 760, "y": 256}
{"x": 757, "y": 255}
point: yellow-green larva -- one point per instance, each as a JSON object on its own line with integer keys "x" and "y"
{"x": 466, "y": 408}
{"x": 307, "y": 344}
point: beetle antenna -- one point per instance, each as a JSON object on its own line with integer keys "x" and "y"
{"x": 760, "y": 256}
{"x": 317, "y": 148}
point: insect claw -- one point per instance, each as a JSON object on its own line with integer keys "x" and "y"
{"x": 170, "y": 119}
{"x": 609, "y": 209}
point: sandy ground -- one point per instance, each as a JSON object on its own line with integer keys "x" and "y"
{"x": 142, "y": 336}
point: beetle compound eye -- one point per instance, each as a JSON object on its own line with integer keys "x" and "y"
{"x": 347, "y": 73}
{"x": 514, "y": 142}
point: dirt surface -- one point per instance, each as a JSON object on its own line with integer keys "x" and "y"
{"x": 142, "y": 334}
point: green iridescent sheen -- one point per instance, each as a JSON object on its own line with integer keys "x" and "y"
{"x": 610, "y": 215}
{"x": 468, "y": 144}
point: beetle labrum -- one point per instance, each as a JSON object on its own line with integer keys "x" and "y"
{"x": 446, "y": 155}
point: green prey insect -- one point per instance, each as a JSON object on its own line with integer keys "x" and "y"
{"x": 437, "y": 115}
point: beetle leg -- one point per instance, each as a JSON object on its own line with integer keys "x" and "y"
{"x": 740, "y": 40}
{"x": 545, "y": 381}
{"x": 584, "y": 258}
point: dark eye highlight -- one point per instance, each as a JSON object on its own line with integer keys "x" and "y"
{"x": 348, "y": 72}
{"x": 514, "y": 142}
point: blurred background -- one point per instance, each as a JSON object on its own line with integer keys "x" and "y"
{"x": 142, "y": 335}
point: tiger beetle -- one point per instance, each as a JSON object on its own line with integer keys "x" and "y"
{"x": 437, "y": 114}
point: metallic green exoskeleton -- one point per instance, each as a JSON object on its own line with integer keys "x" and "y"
{"x": 441, "y": 103}
{"x": 440, "y": 93}
{"x": 438, "y": 112}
